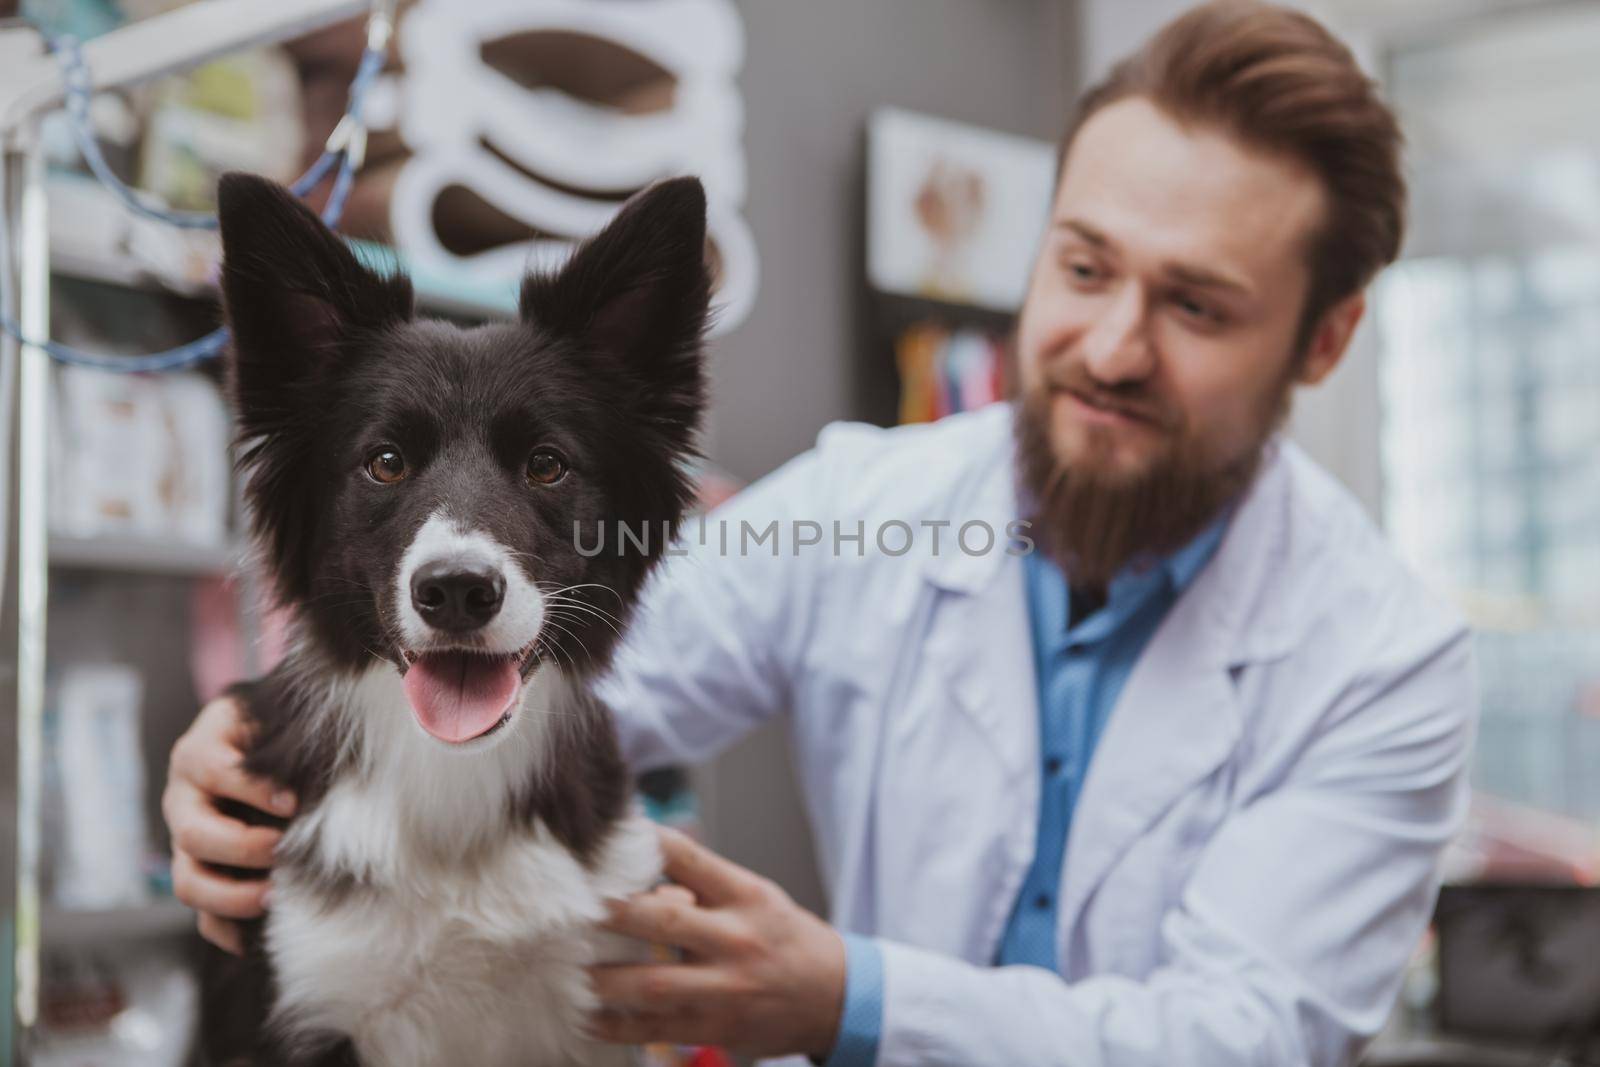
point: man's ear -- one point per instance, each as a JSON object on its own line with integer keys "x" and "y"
{"x": 641, "y": 291}
{"x": 1331, "y": 339}
{"x": 293, "y": 292}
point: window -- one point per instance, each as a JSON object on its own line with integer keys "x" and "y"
{"x": 1490, "y": 383}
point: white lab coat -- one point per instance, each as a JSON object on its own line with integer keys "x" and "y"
{"x": 1254, "y": 854}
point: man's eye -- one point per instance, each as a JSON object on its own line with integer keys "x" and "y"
{"x": 387, "y": 466}
{"x": 1083, "y": 272}
{"x": 1199, "y": 311}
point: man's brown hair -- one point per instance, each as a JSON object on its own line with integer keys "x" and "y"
{"x": 1278, "y": 81}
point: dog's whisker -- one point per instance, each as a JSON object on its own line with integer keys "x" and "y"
{"x": 559, "y": 598}
{"x": 610, "y": 620}
{"x": 564, "y": 599}
{"x": 554, "y": 652}
{"x": 572, "y": 635}
{"x": 589, "y": 585}
{"x": 522, "y": 553}
{"x": 561, "y": 612}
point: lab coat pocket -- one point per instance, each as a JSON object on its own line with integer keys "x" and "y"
{"x": 1150, "y": 880}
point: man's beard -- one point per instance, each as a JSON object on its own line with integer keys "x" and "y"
{"x": 1093, "y": 522}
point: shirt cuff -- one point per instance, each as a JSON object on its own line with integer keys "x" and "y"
{"x": 862, "y": 1019}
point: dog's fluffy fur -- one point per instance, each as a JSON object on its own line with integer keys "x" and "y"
{"x": 432, "y": 902}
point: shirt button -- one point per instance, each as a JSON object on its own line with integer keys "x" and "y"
{"x": 1052, "y": 766}
{"x": 1042, "y": 901}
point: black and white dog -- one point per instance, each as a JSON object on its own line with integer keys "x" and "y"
{"x": 415, "y": 488}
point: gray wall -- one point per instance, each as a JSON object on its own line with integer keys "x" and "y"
{"x": 814, "y": 71}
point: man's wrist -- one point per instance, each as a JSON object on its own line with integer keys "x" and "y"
{"x": 827, "y": 1013}
{"x": 855, "y": 1043}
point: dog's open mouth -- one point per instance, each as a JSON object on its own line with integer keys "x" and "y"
{"x": 459, "y": 695}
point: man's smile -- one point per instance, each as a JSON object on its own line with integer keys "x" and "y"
{"x": 1094, "y": 410}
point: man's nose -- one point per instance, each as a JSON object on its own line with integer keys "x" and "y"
{"x": 457, "y": 597}
{"x": 1117, "y": 348}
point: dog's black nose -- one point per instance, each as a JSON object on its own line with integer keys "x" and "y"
{"x": 452, "y": 597}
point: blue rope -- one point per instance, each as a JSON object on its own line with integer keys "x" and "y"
{"x": 347, "y": 155}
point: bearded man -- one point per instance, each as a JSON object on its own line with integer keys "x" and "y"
{"x": 1170, "y": 790}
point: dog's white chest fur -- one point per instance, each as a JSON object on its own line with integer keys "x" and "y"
{"x": 428, "y": 927}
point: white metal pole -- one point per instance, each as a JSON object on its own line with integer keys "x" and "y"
{"x": 24, "y": 413}
{"x": 33, "y": 466}
{"x": 12, "y": 166}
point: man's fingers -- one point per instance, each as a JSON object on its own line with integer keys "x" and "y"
{"x": 224, "y": 934}
{"x": 211, "y": 837}
{"x": 669, "y": 918}
{"x": 227, "y": 715}
{"x": 711, "y": 878}
{"x": 633, "y": 1028}
{"x": 224, "y": 720}
{"x": 205, "y": 890}
{"x": 222, "y": 774}
{"x": 674, "y": 893}
{"x": 210, "y": 757}
{"x": 656, "y": 988}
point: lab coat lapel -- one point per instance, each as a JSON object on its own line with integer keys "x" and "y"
{"x": 979, "y": 635}
{"x": 980, "y": 640}
{"x": 983, "y": 642}
{"x": 976, "y": 655}
{"x": 1178, "y": 720}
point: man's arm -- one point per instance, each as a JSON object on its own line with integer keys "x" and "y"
{"x": 1287, "y": 947}
{"x": 1292, "y": 934}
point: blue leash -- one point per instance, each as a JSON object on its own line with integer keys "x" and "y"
{"x": 346, "y": 149}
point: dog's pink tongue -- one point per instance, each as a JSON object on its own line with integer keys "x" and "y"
{"x": 458, "y": 696}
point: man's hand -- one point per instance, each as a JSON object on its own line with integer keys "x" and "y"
{"x": 760, "y": 975}
{"x": 205, "y": 766}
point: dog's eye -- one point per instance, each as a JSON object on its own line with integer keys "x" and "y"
{"x": 387, "y": 466}
{"x": 546, "y": 467}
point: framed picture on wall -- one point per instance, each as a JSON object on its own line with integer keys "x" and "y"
{"x": 954, "y": 212}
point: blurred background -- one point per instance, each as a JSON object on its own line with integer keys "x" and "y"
{"x": 878, "y": 171}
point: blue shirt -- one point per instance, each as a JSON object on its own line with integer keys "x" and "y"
{"x": 1081, "y": 665}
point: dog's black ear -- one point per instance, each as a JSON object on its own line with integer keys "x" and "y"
{"x": 641, "y": 290}
{"x": 295, "y": 298}
{"x": 293, "y": 291}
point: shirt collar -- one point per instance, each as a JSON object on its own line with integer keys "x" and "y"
{"x": 1187, "y": 561}
{"x": 1173, "y": 571}
{"x": 1130, "y": 589}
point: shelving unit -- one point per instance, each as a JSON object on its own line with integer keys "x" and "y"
{"x": 131, "y": 599}
{"x": 893, "y": 314}
{"x": 161, "y": 918}
{"x": 107, "y": 263}
{"x": 58, "y": 592}
{"x": 436, "y": 294}
{"x": 134, "y": 601}
{"x": 170, "y": 558}
{"x": 888, "y": 319}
